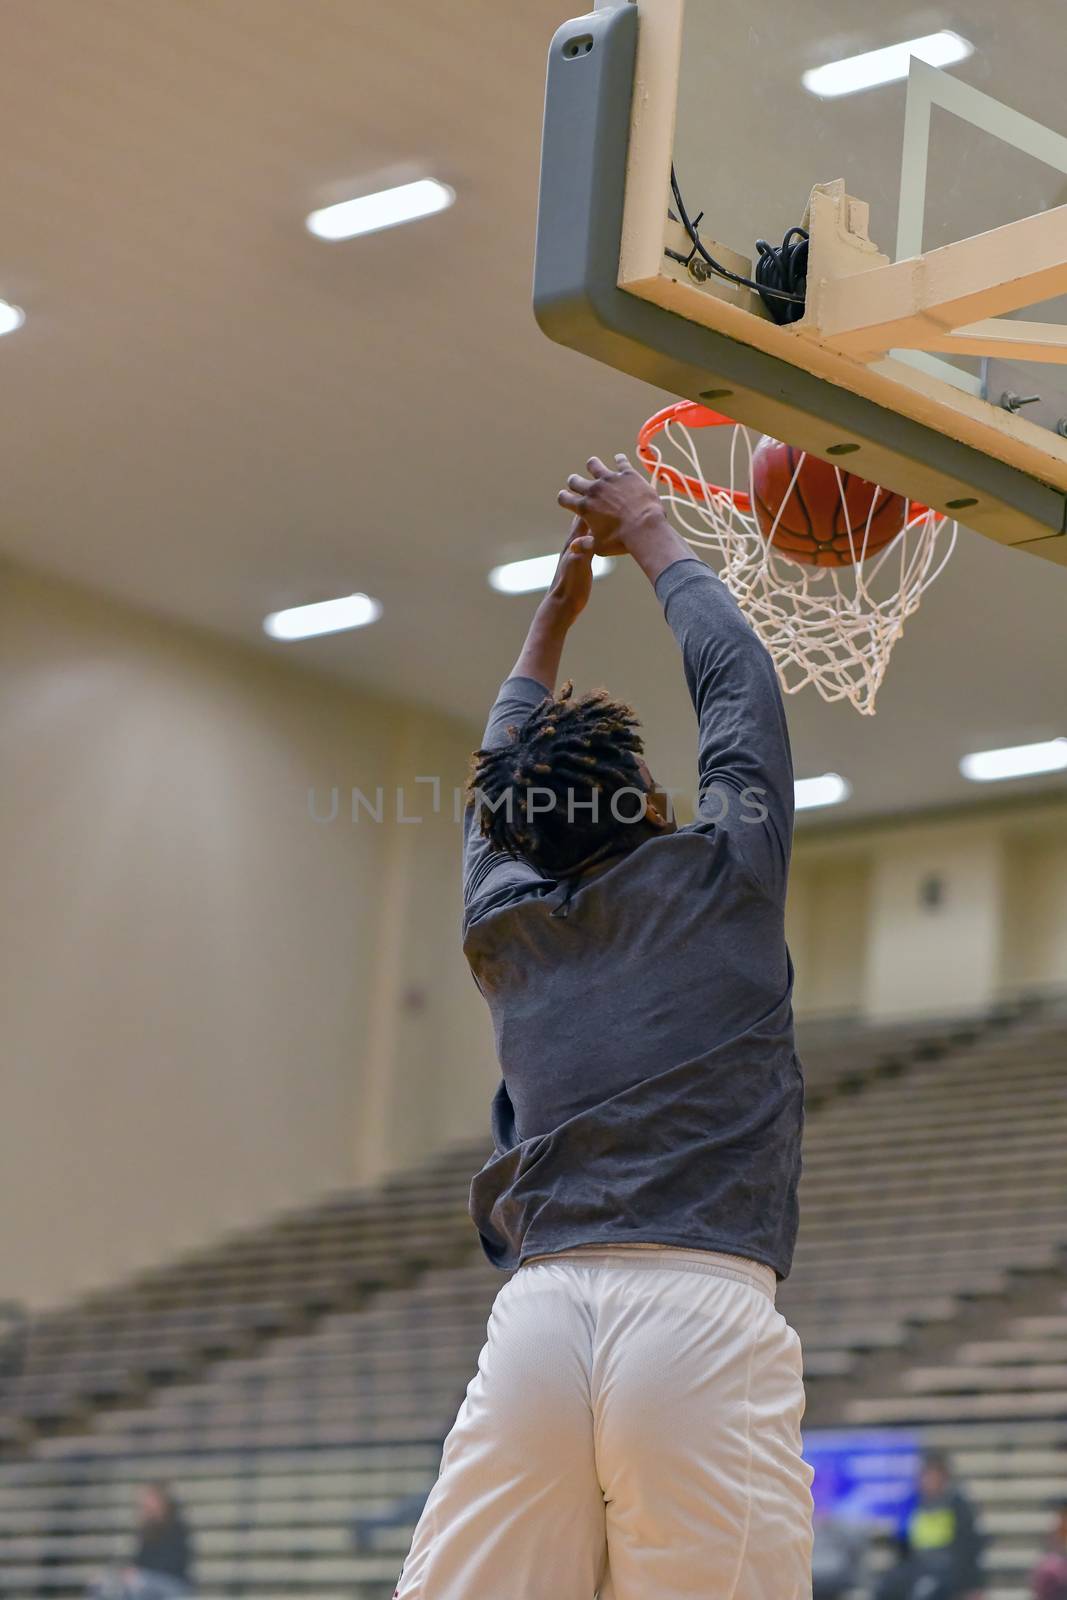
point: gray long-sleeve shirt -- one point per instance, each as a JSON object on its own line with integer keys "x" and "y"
{"x": 650, "y": 1088}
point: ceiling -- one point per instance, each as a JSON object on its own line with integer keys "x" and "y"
{"x": 211, "y": 414}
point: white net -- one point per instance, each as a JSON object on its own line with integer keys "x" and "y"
{"x": 831, "y": 626}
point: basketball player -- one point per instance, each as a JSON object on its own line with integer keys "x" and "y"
{"x": 634, "y": 1426}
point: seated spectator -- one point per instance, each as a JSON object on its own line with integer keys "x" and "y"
{"x": 942, "y": 1547}
{"x": 1049, "y": 1579}
{"x": 162, "y": 1567}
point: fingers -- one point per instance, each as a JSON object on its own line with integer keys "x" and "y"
{"x": 581, "y": 546}
{"x": 578, "y": 538}
{"x": 576, "y": 496}
{"x": 577, "y": 526}
{"x": 577, "y": 554}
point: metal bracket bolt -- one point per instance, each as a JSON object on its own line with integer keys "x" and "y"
{"x": 1014, "y": 402}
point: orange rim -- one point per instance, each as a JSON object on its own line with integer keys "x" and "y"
{"x": 693, "y": 415}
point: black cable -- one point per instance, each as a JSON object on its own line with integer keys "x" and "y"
{"x": 781, "y": 271}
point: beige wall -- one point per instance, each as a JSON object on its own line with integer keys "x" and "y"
{"x": 828, "y": 903}
{"x": 870, "y": 937}
{"x": 1035, "y": 920}
{"x": 934, "y": 921}
{"x": 213, "y": 1005}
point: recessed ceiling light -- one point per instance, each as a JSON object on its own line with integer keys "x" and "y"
{"x": 386, "y": 209}
{"x": 1016, "y": 761}
{"x": 326, "y": 616}
{"x": 829, "y": 789}
{"x": 521, "y": 577}
{"x": 11, "y": 317}
{"x": 884, "y": 66}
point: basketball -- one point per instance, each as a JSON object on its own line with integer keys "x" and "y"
{"x": 810, "y": 514}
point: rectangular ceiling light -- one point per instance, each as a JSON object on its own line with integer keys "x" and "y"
{"x": 1016, "y": 761}
{"x": 522, "y": 577}
{"x": 829, "y": 789}
{"x": 884, "y": 66}
{"x": 11, "y": 317}
{"x": 386, "y": 209}
{"x": 325, "y": 616}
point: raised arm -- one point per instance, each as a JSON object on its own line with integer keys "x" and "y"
{"x": 745, "y": 769}
{"x": 559, "y": 610}
{"x": 489, "y": 878}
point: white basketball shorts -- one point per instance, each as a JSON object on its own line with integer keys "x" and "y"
{"x": 633, "y": 1432}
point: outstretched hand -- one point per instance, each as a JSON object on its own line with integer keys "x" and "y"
{"x": 615, "y": 504}
{"x": 563, "y": 604}
{"x": 573, "y": 580}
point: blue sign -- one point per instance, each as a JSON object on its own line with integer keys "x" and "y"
{"x": 864, "y": 1476}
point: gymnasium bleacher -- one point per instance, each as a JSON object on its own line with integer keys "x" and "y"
{"x": 295, "y": 1381}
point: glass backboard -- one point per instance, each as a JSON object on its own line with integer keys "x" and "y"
{"x": 822, "y": 91}
{"x": 916, "y": 367}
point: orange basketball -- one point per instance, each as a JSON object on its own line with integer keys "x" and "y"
{"x": 810, "y": 519}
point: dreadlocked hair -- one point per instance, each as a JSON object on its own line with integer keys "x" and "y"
{"x": 572, "y": 749}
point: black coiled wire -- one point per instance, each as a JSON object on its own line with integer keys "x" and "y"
{"x": 781, "y": 270}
